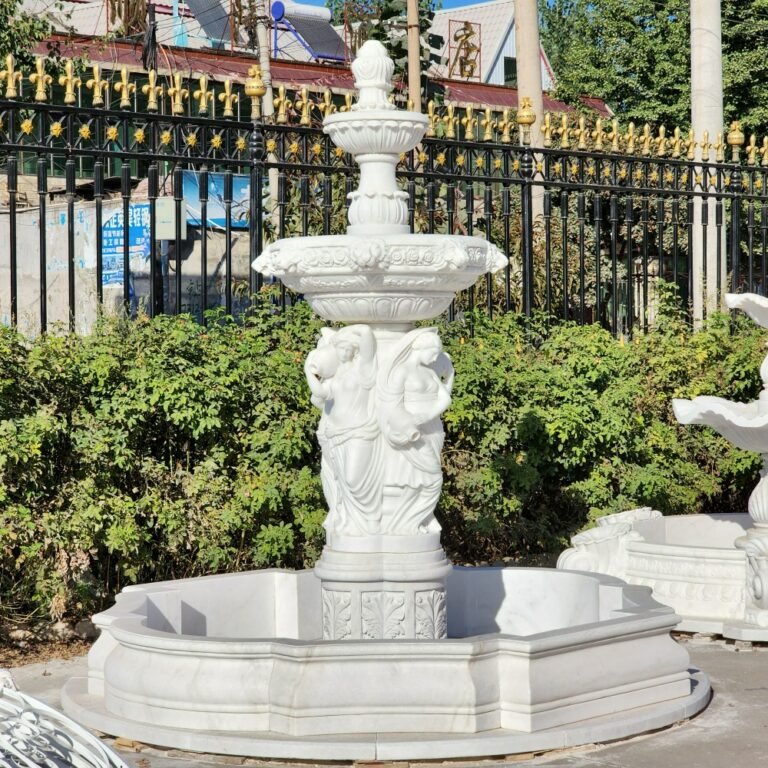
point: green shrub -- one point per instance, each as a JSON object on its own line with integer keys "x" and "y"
{"x": 159, "y": 449}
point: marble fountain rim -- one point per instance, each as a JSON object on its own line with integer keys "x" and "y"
{"x": 128, "y": 626}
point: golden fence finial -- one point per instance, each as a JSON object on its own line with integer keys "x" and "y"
{"x": 582, "y": 133}
{"x": 449, "y": 121}
{"x": 409, "y": 105}
{"x": 177, "y": 93}
{"x": 432, "y": 120}
{"x": 11, "y": 77}
{"x": 347, "y": 103}
{"x": 283, "y": 104}
{"x": 505, "y": 126}
{"x": 735, "y": 139}
{"x": 202, "y": 95}
{"x": 705, "y": 145}
{"x": 125, "y": 88}
{"x": 751, "y": 150}
{"x": 661, "y": 142}
{"x": 488, "y": 124}
{"x": 228, "y": 99}
{"x": 304, "y": 104}
{"x": 255, "y": 89}
{"x": 70, "y": 81}
{"x": 647, "y": 140}
{"x": 526, "y": 117}
{"x": 151, "y": 90}
{"x": 630, "y": 138}
{"x": 614, "y": 136}
{"x": 98, "y": 86}
{"x": 564, "y": 132}
{"x": 764, "y": 152}
{"x": 326, "y": 106}
{"x": 546, "y": 130}
{"x": 719, "y": 146}
{"x": 677, "y": 143}
{"x": 469, "y": 121}
{"x": 40, "y": 80}
{"x": 598, "y": 135}
{"x": 690, "y": 146}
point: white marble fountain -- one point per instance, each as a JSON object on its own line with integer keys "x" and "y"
{"x": 712, "y": 569}
{"x": 385, "y": 650}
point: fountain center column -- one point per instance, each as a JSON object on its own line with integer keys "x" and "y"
{"x": 380, "y": 383}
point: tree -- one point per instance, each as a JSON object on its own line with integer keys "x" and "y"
{"x": 745, "y": 63}
{"x": 21, "y": 31}
{"x": 635, "y": 55}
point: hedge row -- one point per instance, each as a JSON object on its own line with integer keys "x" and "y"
{"x": 155, "y": 449}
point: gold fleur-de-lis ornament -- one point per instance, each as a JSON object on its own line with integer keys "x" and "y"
{"x": 124, "y": 87}
{"x": 152, "y": 90}
{"x": 40, "y": 80}
{"x": 488, "y": 124}
{"x": 469, "y": 122}
{"x": 70, "y": 81}
{"x": 202, "y": 95}
{"x": 178, "y": 93}
{"x": 228, "y": 99}
{"x": 282, "y": 104}
{"x": 304, "y": 104}
{"x": 11, "y": 77}
{"x": 98, "y": 86}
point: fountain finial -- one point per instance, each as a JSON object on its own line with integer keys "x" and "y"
{"x": 373, "y": 70}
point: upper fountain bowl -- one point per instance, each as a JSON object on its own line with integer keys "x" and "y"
{"x": 380, "y": 131}
{"x": 373, "y": 126}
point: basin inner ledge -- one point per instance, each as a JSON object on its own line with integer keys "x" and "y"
{"x": 384, "y": 650}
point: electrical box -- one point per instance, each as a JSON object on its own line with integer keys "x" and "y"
{"x": 165, "y": 219}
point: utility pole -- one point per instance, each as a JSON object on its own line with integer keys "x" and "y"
{"x": 529, "y": 62}
{"x": 706, "y": 115}
{"x": 414, "y": 54}
{"x": 262, "y": 40}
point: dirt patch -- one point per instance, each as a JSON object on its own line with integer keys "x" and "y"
{"x": 35, "y": 651}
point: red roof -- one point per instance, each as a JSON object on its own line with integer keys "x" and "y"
{"x": 482, "y": 95}
{"x": 234, "y": 64}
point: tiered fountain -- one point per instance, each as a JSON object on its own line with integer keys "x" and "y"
{"x": 384, "y": 650}
{"x": 712, "y": 569}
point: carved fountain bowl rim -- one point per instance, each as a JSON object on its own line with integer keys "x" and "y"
{"x": 375, "y": 116}
{"x": 386, "y": 278}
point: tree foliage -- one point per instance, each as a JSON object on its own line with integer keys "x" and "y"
{"x": 635, "y": 55}
{"x": 21, "y": 31}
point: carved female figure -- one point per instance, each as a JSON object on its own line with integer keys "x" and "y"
{"x": 341, "y": 373}
{"x": 415, "y": 390}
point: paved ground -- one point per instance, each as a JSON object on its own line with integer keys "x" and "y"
{"x": 731, "y": 733}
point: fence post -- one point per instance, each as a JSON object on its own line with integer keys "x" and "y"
{"x": 735, "y": 140}
{"x": 255, "y": 89}
{"x": 525, "y": 118}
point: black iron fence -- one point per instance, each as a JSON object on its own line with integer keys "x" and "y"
{"x": 126, "y": 209}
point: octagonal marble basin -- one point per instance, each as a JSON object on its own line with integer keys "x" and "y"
{"x": 234, "y": 664}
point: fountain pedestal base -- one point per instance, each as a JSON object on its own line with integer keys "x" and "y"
{"x": 383, "y": 595}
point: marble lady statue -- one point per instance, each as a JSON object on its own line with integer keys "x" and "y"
{"x": 414, "y": 390}
{"x": 341, "y": 373}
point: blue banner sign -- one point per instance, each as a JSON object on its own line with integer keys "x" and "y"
{"x": 216, "y": 213}
{"x": 113, "y": 233}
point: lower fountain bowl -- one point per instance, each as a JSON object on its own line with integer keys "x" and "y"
{"x": 535, "y": 659}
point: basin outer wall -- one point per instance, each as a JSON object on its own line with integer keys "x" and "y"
{"x": 303, "y": 688}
